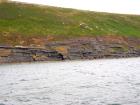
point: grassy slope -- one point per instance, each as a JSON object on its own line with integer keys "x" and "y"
{"x": 33, "y": 20}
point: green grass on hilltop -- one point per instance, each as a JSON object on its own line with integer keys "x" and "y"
{"x": 27, "y": 19}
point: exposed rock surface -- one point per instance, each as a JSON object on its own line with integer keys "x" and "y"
{"x": 73, "y": 49}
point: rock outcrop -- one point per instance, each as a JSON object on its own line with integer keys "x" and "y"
{"x": 27, "y": 54}
{"x": 73, "y": 49}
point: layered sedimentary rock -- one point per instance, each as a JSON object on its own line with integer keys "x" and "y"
{"x": 83, "y": 48}
{"x": 27, "y": 54}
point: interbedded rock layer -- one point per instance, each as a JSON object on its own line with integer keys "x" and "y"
{"x": 73, "y": 49}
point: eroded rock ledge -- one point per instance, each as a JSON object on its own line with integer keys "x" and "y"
{"x": 73, "y": 49}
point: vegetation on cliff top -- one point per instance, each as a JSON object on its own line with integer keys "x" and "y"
{"x": 34, "y": 20}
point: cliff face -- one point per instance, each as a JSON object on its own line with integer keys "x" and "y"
{"x": 25, "y": 54}
{"x": 73, "y": 49}
{"x": 51, "y": 28}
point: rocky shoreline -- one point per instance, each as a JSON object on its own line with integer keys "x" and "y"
{"x": 72, "y": 49}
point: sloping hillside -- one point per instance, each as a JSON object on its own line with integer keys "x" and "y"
{"x": 26, "y": 20}
{"x": 31, "y": 33}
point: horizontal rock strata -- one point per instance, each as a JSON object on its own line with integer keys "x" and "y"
{"x": 90, "y": 48}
